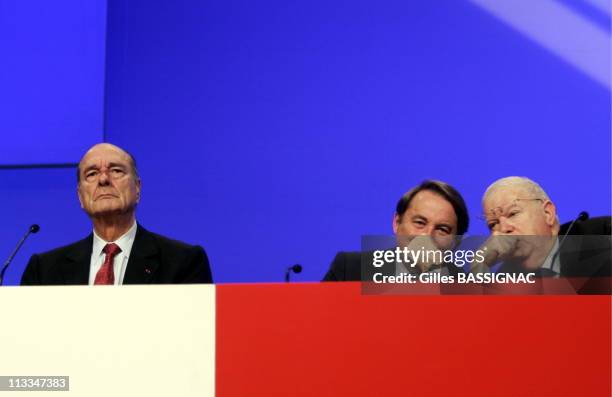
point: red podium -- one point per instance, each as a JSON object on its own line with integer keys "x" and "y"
{"x": 330, "y": 340}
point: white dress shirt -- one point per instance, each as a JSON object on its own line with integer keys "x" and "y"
{"x": 124, "y": 242}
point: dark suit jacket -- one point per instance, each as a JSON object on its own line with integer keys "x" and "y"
{"x": 586, "y": 251}
{"x": 346, "y": 266}
{"x": 585, "y": 255}
{"x": 154, "y": 259}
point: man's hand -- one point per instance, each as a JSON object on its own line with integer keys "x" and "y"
{"x": 426, "y": 253}
{"x": 495, "y": 248}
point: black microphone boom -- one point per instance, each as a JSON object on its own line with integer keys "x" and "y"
{"x": 33, "y": 229}
{"x": 295, "y": 269}
{"x": 583, "y": 216}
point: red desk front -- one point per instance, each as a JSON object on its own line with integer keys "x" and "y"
{"x": 330, "y": 340}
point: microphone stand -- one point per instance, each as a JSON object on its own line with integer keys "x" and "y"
{"x": 33, "y": 229}
{"x": 295, "y": 269}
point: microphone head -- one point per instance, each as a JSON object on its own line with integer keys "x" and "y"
{"x": 34, "y": 228}
{"x": 297, "y": 269}
{"x": 583, "y": 216}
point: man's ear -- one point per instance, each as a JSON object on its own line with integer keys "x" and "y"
{"x": 550, "y": 212}
{"x": 397, "y": 219}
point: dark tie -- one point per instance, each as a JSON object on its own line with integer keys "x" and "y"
{"x": 105, "y": 275}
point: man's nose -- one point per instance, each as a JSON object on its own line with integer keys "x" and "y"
{"x": 103, "y": 179}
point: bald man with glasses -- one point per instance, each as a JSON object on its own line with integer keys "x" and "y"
{"x": 526, "y": 235}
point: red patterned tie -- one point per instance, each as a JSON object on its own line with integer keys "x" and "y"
{"x": 105, "y": 275}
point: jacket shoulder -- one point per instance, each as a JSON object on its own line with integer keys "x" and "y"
{"x": 66, "y": 249}
{"x": 346, "y": 266}
{"x": 600, "y": 225}
{"x": 180, "y": 262}
{"x": 170, "y": 244}
{"x": 48, "y": 268}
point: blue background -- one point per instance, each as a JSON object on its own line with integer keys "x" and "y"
{"x": 276, "y": 132}
{"x": 52, "y": 79}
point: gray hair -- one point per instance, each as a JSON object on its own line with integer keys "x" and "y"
{"x": 531, "y": 187}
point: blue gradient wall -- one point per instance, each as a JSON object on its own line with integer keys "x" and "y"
{"x": 275, "y": 133}
{"x": 52, "y": 79}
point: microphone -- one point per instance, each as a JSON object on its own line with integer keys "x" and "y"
{"x": 582, "y": 216}
{"x": 295, "y": 269}
{"x": 33, "y": 229}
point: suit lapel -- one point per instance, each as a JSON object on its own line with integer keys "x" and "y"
{"x": 144, "y": 259}
{"x": 75, "y": 267}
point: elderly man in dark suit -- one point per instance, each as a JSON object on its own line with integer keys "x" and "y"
{"x": 119, "y": 251}
{"x": 526, "y": 236}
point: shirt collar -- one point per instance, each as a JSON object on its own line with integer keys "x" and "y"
{"x": 548, "y": 264}
{"x": 99, "y": 243}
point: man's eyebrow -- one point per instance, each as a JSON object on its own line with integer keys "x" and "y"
{"x": 90, "y": 167}
{"x": 110, "y": 165}
{"x": 496, "y": 209}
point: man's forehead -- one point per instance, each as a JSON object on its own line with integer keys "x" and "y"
{"x": 103, "y": 154}
{"x": 426, "y": 203}
{"x": 503, "y": 196}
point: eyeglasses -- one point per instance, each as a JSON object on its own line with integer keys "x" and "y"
{"x": 512, "y": 210}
